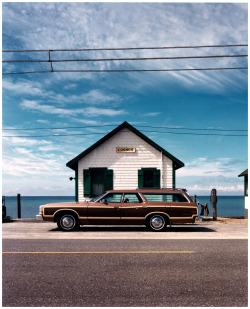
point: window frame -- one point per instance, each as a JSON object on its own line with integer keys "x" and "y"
{"x": 103, "y": 197}
{"x": 135, "y": 193}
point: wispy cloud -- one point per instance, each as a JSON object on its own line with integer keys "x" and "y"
{"x": 94, "y": 96}
{"x": 89, "y": 23}
{"x": 22, "y": 87}
{"x": 236, "y": 189}
{"x": 34, "y": 88}
{"x": 152, "y": 114}
{"x": 211, "y": 167}
{"x": 88, "y": 111}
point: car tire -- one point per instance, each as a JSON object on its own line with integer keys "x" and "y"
{"x": 156, "y": 223}
{"x": 67, "y": 222}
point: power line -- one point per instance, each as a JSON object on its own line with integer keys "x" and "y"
{"x": 103, "y": 133}
{"x": 114, "y": 125}
{"x": 122, "y": 59}
{"x": 122, "y": 71}
{"x": 125, "y": 48}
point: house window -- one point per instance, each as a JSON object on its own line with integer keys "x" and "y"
{"x": 149, "y": 178}
{"x": 97, "y": 181}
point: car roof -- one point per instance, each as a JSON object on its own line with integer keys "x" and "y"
{"x": 150, "y": 190}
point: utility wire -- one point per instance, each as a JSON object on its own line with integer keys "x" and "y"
{"x": 115, "y": 125}
{"x": 133, "y": 70}
{"x": 122, "y": 59}
{"x": 103, "y": 133}
{"x": 125, "y": 48}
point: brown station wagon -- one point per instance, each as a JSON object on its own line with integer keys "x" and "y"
{"x": 155, "y": 208}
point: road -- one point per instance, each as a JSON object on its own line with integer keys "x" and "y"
{"x": 125, "y": 272}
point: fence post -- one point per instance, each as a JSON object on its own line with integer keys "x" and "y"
{"x": 214, "y": 197}
{"x": 19, "y": 206}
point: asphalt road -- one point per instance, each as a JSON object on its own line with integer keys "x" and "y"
{"x": 120, "y": 272}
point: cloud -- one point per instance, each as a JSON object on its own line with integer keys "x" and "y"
{"x": 31, "y": 165}
{"x": 152, "y": 114}
{"x": 93, "y": 111}
{"x": 43, "y": 121}
{"x": 22, "y": 87}
{"x": 70, "y": 86}
{"x": 89, "y": 23}
{"x": 220, "y": 189}
{"x": 37, "y": 89}
{"x": 94, "y": 96}
{"x": 23, "y": 141}
{"x": 86, "y": 121}
{"x": 48, "y": 148}
{"x": 88, "y": 111}
{"x": 212, "y": 167}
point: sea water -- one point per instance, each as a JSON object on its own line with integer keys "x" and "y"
{"x": 227, "y": 206}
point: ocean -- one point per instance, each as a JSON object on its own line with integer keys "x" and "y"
{"x": 227, "y": 206}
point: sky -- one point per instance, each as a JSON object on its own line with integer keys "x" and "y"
{"x": 189, "y": 99}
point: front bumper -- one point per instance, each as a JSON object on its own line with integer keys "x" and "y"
{"x": 39, "y": 217}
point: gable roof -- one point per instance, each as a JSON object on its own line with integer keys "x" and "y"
{"x": 245, "y": 173}
{"x": 74, "y": 162}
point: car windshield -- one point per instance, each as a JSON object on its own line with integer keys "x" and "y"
{"x": 97, "y": 198}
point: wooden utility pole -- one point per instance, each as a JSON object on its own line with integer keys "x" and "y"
{"x": 19, "y": 206}
{"x": 194, "y": 198}
{"x": 214, "y": 201}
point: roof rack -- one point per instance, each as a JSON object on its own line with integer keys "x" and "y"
{"x": 172, "y": 189}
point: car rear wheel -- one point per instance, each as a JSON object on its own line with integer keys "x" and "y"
{"x": 157, "y": 223}
{"x": 67, "y": 222}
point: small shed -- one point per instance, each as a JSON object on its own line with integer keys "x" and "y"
{"x": 245, "y": 175}
{"x": 123, "y": 159}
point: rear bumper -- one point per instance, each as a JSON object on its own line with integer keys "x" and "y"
{"x": 39, "y": 217}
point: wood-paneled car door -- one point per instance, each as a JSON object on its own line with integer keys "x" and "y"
{"x": 106, "y": 211}
{"x": 134, "y": 209}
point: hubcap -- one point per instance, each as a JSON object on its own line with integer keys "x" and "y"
{"x": 68, "y": 222}
{"x": 157, "y": 222}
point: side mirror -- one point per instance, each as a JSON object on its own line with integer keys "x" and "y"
{"x": 103, "y": 201}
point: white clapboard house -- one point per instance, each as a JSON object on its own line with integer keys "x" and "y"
{"x": 123, "y": 159}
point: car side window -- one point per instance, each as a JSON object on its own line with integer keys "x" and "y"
{"x": 113, "y": 198}
{"x": 165, "y": 197}
{"x": 132, "y": 198}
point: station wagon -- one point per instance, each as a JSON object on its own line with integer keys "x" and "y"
{"x": 155, "y": 208}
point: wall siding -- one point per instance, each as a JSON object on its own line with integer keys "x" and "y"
{"x": 125, "y": 165}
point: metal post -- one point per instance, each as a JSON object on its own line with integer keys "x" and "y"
{"x": 19, "y": 206}
{"x": 214, "y": 196}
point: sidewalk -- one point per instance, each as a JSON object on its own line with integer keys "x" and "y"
{"x": 224, "y": 228}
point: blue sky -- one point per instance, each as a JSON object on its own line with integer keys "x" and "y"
{"x": 198, "y": 99}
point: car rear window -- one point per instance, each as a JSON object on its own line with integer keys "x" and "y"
{"x": 165, "y": 197}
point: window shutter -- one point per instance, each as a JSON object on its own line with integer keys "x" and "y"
{"x": 108, "y": 182}
{"x": 87, "y": 183}
{"x": 140, "y": 178}
{"x": 157, "y": 175}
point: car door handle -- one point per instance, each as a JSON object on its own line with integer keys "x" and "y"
{"x": 144, "y": 206}
{"x": 116, "y": 207}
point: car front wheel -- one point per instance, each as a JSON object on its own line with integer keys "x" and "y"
{"x": 156, "y": 223}
{"x": 67, "y": 222}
